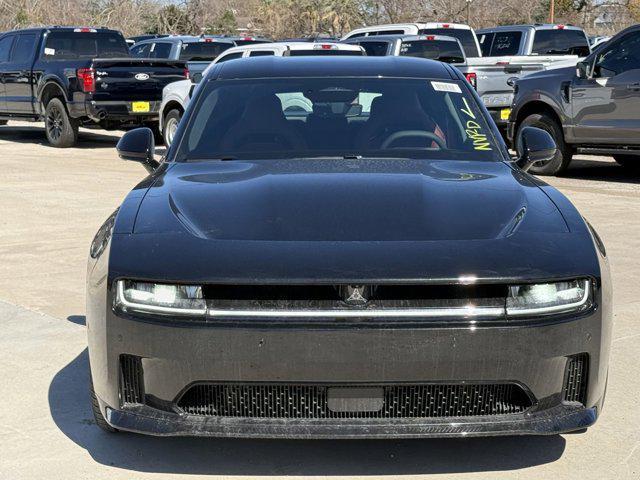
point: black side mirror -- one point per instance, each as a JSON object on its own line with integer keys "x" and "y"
{"x": 139, "y": 146}
{"x": 537, "y": 147}
{"x": 583, "y": 69}
{"x": 197, "y": 78}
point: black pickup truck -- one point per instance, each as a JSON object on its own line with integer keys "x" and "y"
{"x": 72, "y": 77}
{"x": 589, "y": 108}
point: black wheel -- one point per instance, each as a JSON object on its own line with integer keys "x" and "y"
{"x": 171, "y": 121}
{"x": 563, "y": 157}
{"x": 97, "y": 414}
{"x": 61, "y": 130}
{"x": 630, "y": 162}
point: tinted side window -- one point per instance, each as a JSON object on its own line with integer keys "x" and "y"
{"x": 5, "y": 47}
{"x": 231, "y": 56}
{"x": 485, "y": 40}
{"x": 23, "y": 51}
{"x": 262, "y": 53}
{"x": 375, "y": 49}
{"x": 619, "y": 58}
{"x": 141, "y": 51}
{"x": 161, "y": 50}
{"x": 505, "y": 43}
{"x": 560, "y": 42}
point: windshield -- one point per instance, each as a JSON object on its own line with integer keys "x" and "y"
{"x": 444, "y": 51}
{"x": 560, "y": 42}
{"x": 336, "y": 117}
{"x": 202, "y": 51}
{"x": 74, "y": 45}
{"x": 464, "y": 35}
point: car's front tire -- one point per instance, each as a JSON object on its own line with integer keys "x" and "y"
{"x": 563, "y": 156}
{"x": 630, "y": 162}
{"x": 101, "y": 422}
{"x": 171, "y": 122}
{"x": 60, "y": 128}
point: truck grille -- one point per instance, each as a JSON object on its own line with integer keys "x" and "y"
{"x": 575, "y": 379}
{"x": 310, "y": 401}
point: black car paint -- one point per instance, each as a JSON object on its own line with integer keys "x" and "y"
{"x": 590, "y": 113}
{"x": 267, "y": 221}
{"x": 28, "y": 86}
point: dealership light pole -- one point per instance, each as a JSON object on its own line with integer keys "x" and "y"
{"x": 469, "y": 11}
{"x": 552, "y": 11}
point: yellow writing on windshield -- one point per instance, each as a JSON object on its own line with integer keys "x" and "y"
{"x": 474, "y": 130}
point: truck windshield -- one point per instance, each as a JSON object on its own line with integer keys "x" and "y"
{"x": 202, "y": 51}
{"x": 444, "y": 51}
{"x": 464, "y": 35}
{"x": 560, "y": 42}
{"x": 353, "y": 117}
{"x": 70, "y": 45}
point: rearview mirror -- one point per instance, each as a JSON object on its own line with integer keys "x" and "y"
{"x": 583, "y": 69}
{"x": 139, "y": 146}
{"x": 537, "y": 147}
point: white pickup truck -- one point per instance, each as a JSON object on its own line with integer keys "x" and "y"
{"x": 512, "y": 52}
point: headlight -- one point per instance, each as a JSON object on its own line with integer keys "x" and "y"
{"x": 160, "y": 298}
{"x": 559, "y": 297}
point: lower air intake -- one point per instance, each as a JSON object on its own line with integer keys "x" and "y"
{"x": 575, "y": 378}
{"x": 310, "y": 401}
{"x": 131, "y": 380}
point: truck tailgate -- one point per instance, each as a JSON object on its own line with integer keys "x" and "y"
{"x": 132, "y": 79}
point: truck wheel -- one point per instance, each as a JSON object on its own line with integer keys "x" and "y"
{"x": 563, "y": 157}
{"x": 171, "y": 121}
{"x": 61, "y": 130}
{"x": 630, "y": 162}
{"x": 97, "y": 414}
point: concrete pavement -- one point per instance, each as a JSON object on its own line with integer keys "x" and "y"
{"x": 52, "y": 202}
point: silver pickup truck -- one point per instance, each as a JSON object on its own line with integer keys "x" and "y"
{"x": 512, "y": 52}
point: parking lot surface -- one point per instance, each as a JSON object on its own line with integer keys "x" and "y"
{"x": 53, "y": 201}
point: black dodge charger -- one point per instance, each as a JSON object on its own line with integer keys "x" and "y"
{"x": 343, "y": 247}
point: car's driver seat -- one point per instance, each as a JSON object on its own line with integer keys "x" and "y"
{"x": 262, "y": 125}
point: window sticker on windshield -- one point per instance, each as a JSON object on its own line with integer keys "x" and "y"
{"x": 446, "y": 87}
{"x": 49, "y": 51}
{"x": 474, "y": 130}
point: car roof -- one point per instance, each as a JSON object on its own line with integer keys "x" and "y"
{"x": 188, "y": 39}
{"x": 56, "y": 28}
{"x": 332, "y": 66}
{"x": 390, "y": 38}
{"x": 538, "y": 26}
{"x": 284, "y": 46}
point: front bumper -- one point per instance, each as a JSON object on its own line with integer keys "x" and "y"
{"x": 174, "y": 356}
{"x": 559, "y": 419}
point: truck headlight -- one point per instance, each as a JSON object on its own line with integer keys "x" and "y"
{"x": 160, "y": 298}
{"x": 543, "y": 298}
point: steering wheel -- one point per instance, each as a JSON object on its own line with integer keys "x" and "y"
{"x": 394, "y": 137}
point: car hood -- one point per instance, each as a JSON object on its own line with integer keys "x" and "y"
{"x": 359, "y": 200}
{"x": 550, "y": 75}
{"x": 347, "y": 222}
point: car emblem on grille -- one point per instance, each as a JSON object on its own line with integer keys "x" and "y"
{"x": 354, "y": 294}
{"x": 141, "y": 76}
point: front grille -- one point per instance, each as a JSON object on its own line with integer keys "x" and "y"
{"x": 576, "y": 378}
{"x": 310, "y": 401}
{"x": 131, "y": 380}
